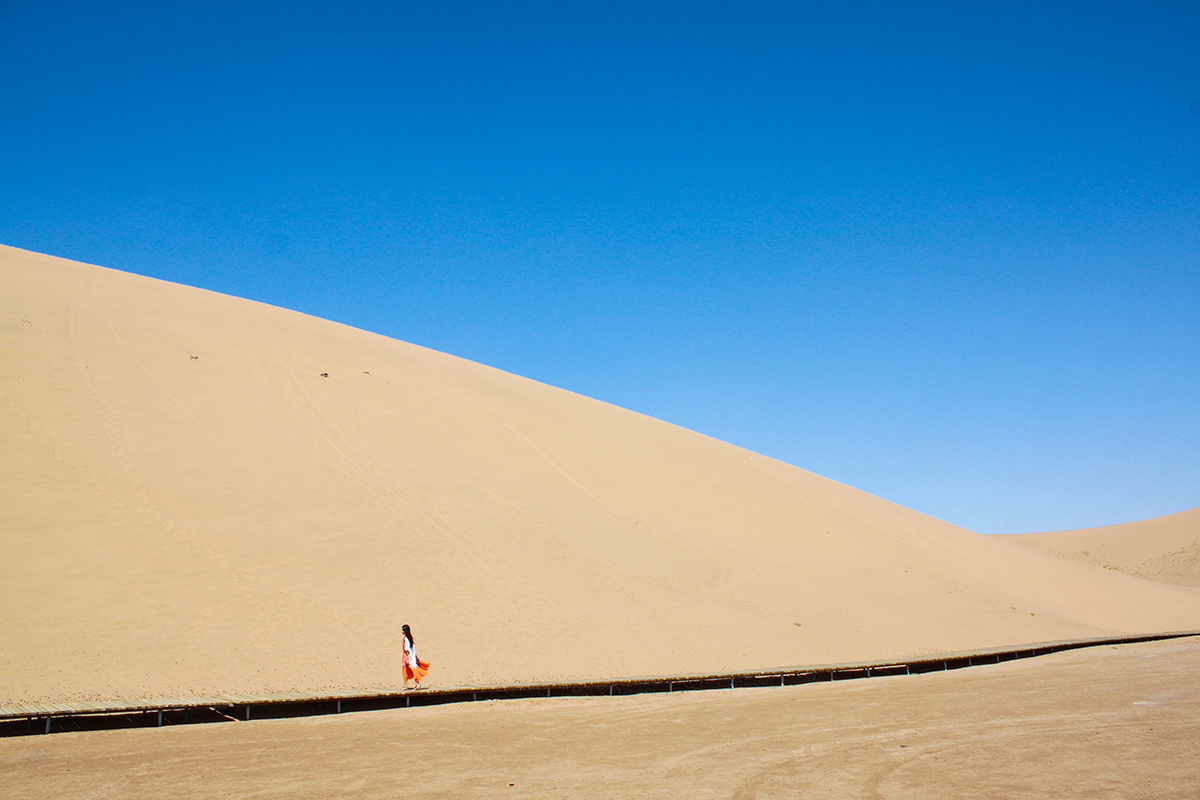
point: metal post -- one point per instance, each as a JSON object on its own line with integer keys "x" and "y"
{"x": 339, "y": 710}
{"x": 670, "y": 686}
{"x": 247, "y": 713}
{"x": 48, "y": 724}
{"x": 160, "y": 718}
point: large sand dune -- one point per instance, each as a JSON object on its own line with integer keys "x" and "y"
{"x": 1165, "y": 548}
{"x": 206, "y": 494}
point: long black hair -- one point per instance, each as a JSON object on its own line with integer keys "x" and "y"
{"x": 408, "y": 634}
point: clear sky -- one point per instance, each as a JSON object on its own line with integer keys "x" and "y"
{"x": 945, "y": 252}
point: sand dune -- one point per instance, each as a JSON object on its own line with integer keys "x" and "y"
{"x": 1165, "y": 549}
{"x": 206, "y": 494}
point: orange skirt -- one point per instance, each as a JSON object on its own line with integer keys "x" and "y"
{"x": 417, "y": 674}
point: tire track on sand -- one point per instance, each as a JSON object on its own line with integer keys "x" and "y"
{"x": 110, "y": 424}
{"x": 162, "y": 388}
{"x": 361, "y": 469}
{"x": 253, "y": 589}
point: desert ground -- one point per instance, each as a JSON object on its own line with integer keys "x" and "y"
{"x": 203, "y": 495}
{"x": 1110, "y": 722}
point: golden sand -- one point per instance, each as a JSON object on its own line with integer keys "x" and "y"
{"x": 1165, "y": 549}
{"x": 1101, "y": 723}
{"x": 202, "y": 494}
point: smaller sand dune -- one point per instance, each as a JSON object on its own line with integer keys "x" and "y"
{"x": 1164, "y": 549}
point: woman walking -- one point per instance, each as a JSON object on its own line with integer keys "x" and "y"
{"x": 414, "y": 668}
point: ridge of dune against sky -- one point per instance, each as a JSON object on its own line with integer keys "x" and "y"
{"x": 948, "y": 256}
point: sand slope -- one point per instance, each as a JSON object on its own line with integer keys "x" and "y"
{"x": 188, "y": 504}
{"x": 1165, "y": 548}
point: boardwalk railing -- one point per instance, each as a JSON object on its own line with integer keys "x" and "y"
{"x": 16, "y": 720}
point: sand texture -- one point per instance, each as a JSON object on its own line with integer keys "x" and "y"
{"x": 1165, "y": 549}
{"x": 1106, "y": 723}
{"x": 203, "y": 494}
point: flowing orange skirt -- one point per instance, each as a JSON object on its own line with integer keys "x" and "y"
{"x": 417, "y": 674}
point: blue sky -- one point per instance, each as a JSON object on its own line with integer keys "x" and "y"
{"x": 947, "y": 255}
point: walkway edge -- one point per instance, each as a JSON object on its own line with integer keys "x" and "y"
{"x": 16, "y": 720}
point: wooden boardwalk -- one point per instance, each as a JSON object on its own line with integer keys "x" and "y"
{"x": 44, "y": 718}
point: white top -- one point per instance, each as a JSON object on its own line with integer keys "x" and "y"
{"x": 410, "y": 652}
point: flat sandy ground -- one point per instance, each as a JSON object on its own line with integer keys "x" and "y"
{"x": 1120, "y": 722}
